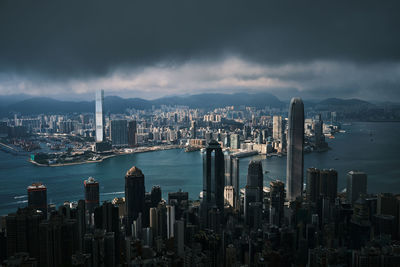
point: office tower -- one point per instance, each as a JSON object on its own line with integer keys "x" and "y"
{"x": 213, "y": 179}
{"x": 328, "y": 180}
{"x": 92, "y": 198}
{"x": 235, "y": 141}
{"x": 100, "y": 121}
{"x": 37, "y": 197}
{"x": 277, "y": 129}
{"x": 255, "y": 177}
{"x": 356, "y": 185}
{"x": 294, "y": 167}
{"x": 312, "y": 187}
{"x": 132, "y": 133}
{"x": 277, "y": 201}
{"x": 234, "y": 177}
{"x": 254, "y": 188}
{"x": 134, "y": 196}
{"x": 193, "y": 129}
{"x": 155, "y": 195}
{"x": 119, "y": 133}
{"x": 170, "y": 221}
{"x": 318, "y": 126}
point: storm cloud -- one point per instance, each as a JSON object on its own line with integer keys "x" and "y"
{"x": 148, "y": 48}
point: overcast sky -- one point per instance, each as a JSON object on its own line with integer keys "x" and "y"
{"x": 149, "y": 49}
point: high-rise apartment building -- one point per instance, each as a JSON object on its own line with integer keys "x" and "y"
{"x": 295, "y": 161}
{"x": 100, "y": 121}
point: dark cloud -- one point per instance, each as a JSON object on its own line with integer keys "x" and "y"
{"x": 64, "y": 39}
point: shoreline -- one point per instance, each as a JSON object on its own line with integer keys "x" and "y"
{"x": 144, "y": 150}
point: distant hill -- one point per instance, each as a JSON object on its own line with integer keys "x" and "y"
{"x": 347, "y": 109}
{"x": 44, "y": 105}
{"x": 336, "y": 103}
{"x": 115, "y": 104}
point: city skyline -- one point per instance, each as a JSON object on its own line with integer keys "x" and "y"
{"x": 200, "y": 133}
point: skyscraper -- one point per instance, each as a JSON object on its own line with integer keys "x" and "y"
{"x": 100, "y": 134}
{"x": 37, "y": 197}
{"x": 328, "y": 184}
{"x": 119, "y": 133}
{"x": 254, "y": 187}
{"x": 235, "y": 141}
{"x": 312, "y": 186}
{"x": 294, "y": 167}
{"x": 92, "y": 198}
{"x": 235, "y": 179}
{"x": 213, "y": 178}
{"x": 155, "y": 195}
{"x": 132, "y": 133}
{"x": 356, "y": 185}
{"x": 170, "y": 220}
{"x": 134, "y": 195}
{"x": 193, "y": 129}
{"x": 255, "y": 177}
{"x": 318, "y": 132}
{"x": 277, "y": 127}
{"x": 277, "y": 195}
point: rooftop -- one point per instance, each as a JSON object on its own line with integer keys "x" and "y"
{"x": 36, "y": 186}
{"x": 134, "y": 171}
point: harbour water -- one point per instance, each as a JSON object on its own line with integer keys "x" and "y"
{"x": 370, "y": 147}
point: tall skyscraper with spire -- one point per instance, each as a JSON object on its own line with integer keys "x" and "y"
{"x": 295, "y": 144}
{"x": 100, "y": 134}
